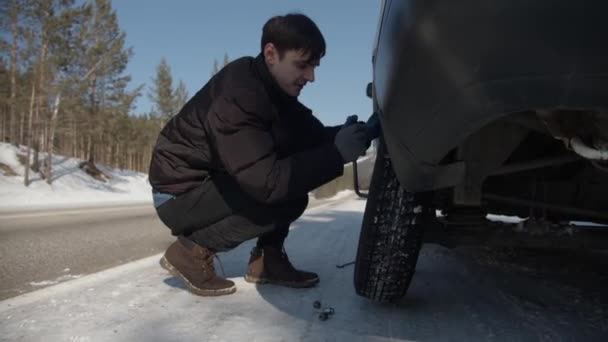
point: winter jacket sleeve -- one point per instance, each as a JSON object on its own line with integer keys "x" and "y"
{"x": 240, "y": 129}
{"x": 331, "y": 131}
{"x": 328, "y": 132}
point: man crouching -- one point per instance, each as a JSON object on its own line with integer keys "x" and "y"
{"x": 239, "y": 159}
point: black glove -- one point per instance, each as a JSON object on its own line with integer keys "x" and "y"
{"x": 351, "y": 119}
{"x": 351, "y": 141}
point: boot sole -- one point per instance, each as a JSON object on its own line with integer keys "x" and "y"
{"x": 297, "y": 285}
{"x": 164, "y": 263}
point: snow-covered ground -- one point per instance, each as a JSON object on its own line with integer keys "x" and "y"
{"x": 453, "y": 297}
{"x": 71, "y": 186}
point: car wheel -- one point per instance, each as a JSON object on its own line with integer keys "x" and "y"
{"x": 391, "y": 235}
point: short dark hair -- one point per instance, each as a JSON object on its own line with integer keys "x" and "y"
{"x": 294, "y": 31}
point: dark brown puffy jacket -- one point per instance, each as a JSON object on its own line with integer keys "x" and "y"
{"x": 241, "y": 123}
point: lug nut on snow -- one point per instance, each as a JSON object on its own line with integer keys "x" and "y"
{"x": 316, "y": 304}
{"x": 323, "y": 316}
{"x": 329, "y": 311}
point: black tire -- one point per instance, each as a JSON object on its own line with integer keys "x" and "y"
{"x": 391, "y": 235}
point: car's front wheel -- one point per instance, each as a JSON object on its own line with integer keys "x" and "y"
{"x": 391, "y": 235}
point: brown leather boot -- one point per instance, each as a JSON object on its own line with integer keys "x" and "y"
{"x": 193, "y": 264}
{"x": 271, "y": 265}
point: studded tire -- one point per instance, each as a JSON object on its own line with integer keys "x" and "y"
{"x": 391, "y": 235}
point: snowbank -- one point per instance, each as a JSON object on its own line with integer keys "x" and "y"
{"x": 70, "y": 187}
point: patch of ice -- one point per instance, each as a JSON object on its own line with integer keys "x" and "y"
{"x": 342, "y": 194}
{"x": 43, "y": 283}
{"x": 311, "y": 218}
{"x": 56, "y": 281}
{"x": 588, "y": 224}
{"x": 505, "y": 219}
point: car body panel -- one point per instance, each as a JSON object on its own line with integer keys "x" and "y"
{"x": 444, "y": 69}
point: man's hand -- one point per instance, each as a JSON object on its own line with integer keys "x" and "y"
{"x": 351, "y": 141}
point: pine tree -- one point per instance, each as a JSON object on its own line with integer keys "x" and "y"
{"x": 63, "y": 88}
{"x": 62, "y": 77}
{"x": 42, "y": 14}
{"x": 167, "y": 101}
{"x": 107, "y": 57}
{"x": 162, "y": 93}
{"x": 10, "y": 21}
{"x": 181, "y": 95}
{"x": 226, "y": 60}
{"x": 216, "y": 67}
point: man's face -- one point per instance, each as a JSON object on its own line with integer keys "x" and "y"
{"x": 293, "y": 71}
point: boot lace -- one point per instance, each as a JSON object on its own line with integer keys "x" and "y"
{"x": 207, "y": 263}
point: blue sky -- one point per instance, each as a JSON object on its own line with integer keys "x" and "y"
{"x": 191, "y": 34}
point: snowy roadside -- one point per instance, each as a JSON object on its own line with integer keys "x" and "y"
{"x": 130, "y": 302}
{"x": 71, "y": 186}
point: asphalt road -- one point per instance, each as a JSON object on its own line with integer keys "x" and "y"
{"x": 45, "y": 247}
{"x": 42, "y": 248}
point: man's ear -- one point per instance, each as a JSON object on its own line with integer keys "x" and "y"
{"x": 271, "y": 54}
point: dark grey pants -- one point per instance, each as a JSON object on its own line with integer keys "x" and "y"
{"x": 218, "y": 215}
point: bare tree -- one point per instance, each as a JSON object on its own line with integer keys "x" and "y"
{"x": 26, "y": 179}
{"x": 14, "y": 15}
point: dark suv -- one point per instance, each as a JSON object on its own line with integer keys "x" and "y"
{"x": 486, "y": 107}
